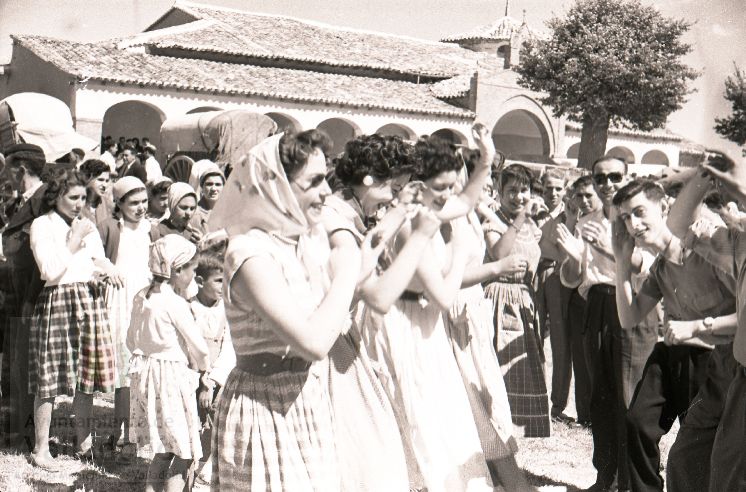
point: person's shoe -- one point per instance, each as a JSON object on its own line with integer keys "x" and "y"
{"x": 47, "y": 464}
{"x": 598, "y": 487}
{"x": 563, "y": 419}
{"x": 585, "y": 423}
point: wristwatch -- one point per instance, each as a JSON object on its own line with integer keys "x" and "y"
{"x": 707, "y": 325}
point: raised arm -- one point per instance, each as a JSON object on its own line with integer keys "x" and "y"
{"x": 381, "y": 292}
{"x": 467, "y": 199}
{"x": 261, "y": 281}
{"x": 685, "y": 210}
{"x": 632, "y": 308}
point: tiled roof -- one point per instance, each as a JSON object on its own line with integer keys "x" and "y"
{"x": 253, "y": 35}
{"x": 106, "y": 62}
{"x": 658, "y": 133}
{"x": 454, "y": 87}
{"x": 500, "y": 30}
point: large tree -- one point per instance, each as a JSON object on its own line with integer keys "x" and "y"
{"x": 733, "y": 127}
{"x": 609, "y": 62}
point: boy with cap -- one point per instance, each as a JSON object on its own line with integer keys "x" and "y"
{"x": 26, "y": 163}
{"x": 700, "y": 309}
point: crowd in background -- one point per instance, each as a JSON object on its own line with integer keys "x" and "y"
{"x": 375, "y": 320}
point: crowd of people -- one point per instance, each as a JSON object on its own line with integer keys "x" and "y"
{"x": 376, "y": 320}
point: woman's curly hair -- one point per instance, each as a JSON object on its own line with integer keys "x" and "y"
{"x": 61, "y": 181}
{"x": 435, "y": 156}
{"x": 381, "y": 157}
{"x": 296, "y": 148}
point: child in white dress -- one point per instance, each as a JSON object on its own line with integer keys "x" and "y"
{"x": 163, "y": 337}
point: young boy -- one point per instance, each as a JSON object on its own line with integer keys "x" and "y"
{"x": 700, "y": 307}
{"x": 726, "y": 249}
{"x": 207, "y": 308}
{"x": 158, "y": 199}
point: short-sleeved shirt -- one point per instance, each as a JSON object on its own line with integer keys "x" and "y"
{"x": 726, "y": 249}
{"x": 693, "y": 289}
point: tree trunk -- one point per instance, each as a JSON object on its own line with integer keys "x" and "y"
{"x": 593, "y": 139}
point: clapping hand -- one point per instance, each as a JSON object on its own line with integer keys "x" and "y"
{"x": 729, "y": 174}
{"x": 571, "y": 245}
{"x": 484, "y": 142}
{"x": 595, "y": 234}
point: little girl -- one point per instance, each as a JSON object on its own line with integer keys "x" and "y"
{"x": 163, "y": 337}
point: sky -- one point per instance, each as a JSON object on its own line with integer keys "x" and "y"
{"x": 718, "y": 33}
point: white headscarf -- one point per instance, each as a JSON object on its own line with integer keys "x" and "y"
{"x": 257, "y": 195}
{"x": 170, "y": 252}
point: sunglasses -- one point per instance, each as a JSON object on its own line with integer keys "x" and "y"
{"x": 601, "y": 178}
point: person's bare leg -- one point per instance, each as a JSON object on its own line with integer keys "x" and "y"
{"x": 82, "y": 406}
{"x": 506, "y": 472}
{"x": 122, "y": 414}
{"x": 42, "y": 420}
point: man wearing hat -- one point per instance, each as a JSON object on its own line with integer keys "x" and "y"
{"x": 26, "y": 163}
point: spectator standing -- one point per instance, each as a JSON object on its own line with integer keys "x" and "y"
{"x": 98, "y": 203}
{"x": 182, "y": 202}
{"x": 131, "y": 165}
{"x": 109, "y": 155}
{"x": 152, "y": 166}
{"x": 158, "y": 199}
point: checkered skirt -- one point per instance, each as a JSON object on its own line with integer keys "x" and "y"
{"x": 275, "y": 433}
{"x": 520, "y": 356}
{"x": 70, "y": 346}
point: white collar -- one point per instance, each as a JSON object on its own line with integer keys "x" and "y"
{"x": 30, "y": 192}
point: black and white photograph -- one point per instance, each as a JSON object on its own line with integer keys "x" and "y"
{"x": 374, "y": 246}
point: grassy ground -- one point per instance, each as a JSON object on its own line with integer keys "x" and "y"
{"x": 562, "y": 460}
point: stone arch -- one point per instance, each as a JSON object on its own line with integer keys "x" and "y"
{"x": 521, "y": 135}
{"x": 341, "y": 131}
{"x": 204, "y": 109}
{"x": 450, "y": 135}
{"x": 134, "y": 118}
{"x": 503, "y": 54}
{"x": 623, "y": 153}
{"x": 655, "y": 156}
{"x": 573, "y": 151}
{"x": 397, "y": 129}
{"x": 285, "y": 122}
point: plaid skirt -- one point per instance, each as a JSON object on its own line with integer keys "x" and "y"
{"x": 70, "y": 346}
{"x": 275, "y": 433}
{"x": 520, "y": 356}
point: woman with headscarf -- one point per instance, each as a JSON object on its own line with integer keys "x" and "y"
{"x": 182, "y": 203}
{"x": 274, "y": 427}
{"x": 164, "y": 339}
{"x": 208, "y": 180}
{"x": 126, "y": 238}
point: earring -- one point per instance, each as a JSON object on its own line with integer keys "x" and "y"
{"x": 368, "y": 180}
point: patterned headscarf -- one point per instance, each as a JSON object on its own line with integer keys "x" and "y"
{"x": 169, "y": 253}
{"x": 257, "y": 195}
{"x": 177, "y": 192}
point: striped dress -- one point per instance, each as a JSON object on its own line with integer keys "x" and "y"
{"x": 272, "y": 432}
{"x": 516, "y": 341}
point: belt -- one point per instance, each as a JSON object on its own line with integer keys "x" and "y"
{"x": 266, "y": 364}
{"x": 607, "y": 289}
{"x": 409, "y": 295}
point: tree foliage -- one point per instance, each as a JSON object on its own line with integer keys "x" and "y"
{"x": 610, "y": 62}
{"x": 733, "y": 127}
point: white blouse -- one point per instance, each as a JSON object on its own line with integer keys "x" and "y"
{"x": 58, "y": 266}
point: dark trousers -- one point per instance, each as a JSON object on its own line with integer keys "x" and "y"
{"x": 617, "y": 358}
{"x": 728, "y": 460}
{"x": 575, "y": 319}
{"x": 670, "y": 381}
{"x": 689, "y": 456}
{"x": 554, "y": 299}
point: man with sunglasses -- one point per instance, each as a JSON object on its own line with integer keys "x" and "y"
{"x": 616, "y": 357}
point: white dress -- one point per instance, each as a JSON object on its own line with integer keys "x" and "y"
{"x": 414, "y": 359}
{"x": 132, "y": 262}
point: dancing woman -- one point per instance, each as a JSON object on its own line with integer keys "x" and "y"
{"x": 412, "y": 349}
{"x": 274, "y": 428}
{"x": 516, "y": 342}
